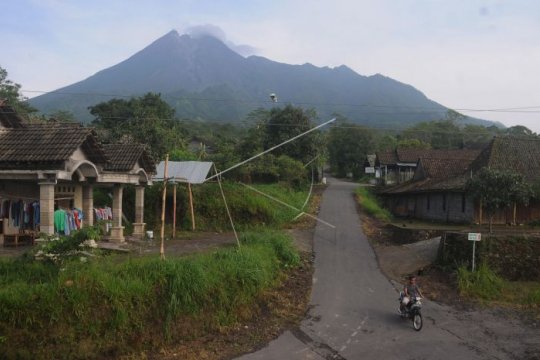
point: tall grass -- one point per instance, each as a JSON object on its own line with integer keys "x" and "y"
{"x": 248, "y": 208}
{"x": 370, "y": 204}
{"x": 485, "y": 285}
{"x": 107, "y": 304}
{"x": 482, "y": 283}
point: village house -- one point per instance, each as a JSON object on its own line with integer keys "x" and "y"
{"x": 437, "y": 189}
{"x": 398, "y": 166}
{"x": 52, "y": 166}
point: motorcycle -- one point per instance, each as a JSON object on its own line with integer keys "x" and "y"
{"x": 412, "y": 311}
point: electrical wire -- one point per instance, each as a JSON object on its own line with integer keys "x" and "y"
{"x": 523, "y": 109}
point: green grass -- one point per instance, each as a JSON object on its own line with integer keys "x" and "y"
{"x": 105, "y": 306}
{"x": 248, "y": 208}
{"x": 486, "y": 286}
{"x": 370, "y": 204}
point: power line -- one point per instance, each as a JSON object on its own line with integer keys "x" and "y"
{"x": 524, "y": 109}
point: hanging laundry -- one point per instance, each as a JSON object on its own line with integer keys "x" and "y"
{"x": 60, "y": 221}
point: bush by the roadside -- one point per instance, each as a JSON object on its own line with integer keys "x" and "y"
{"x": 482, "y": 283}
{"x": 369, "y": 203}
{"x": 515, "y": 258}
{"x": 108, "y": 305}
{"x": 485, "y": 285}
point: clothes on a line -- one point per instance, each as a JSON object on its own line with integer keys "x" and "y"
{"x": 20, "y": 213}
{"x": 66, "y": 221}
{"x": 104, "y": 213}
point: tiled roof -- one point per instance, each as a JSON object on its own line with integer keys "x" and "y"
{"x": 412, "y": 155}
{"x": 46, "y": 146}
{"x": 387, "y": 158}
{"x": 442, "y": 168}
{"x": 123, "y": 157}
{"x": 428, "y": 184}
{"x": 8, "y": 117}
{"x": 434, "y": 174}
{"x": 520, "y": 154}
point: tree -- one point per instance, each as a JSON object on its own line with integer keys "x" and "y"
{"x": 496, "y": 189}
{"x": 443, "y": 134}
{"x": 478, "y": 136}
{"x": 385, "y": 142}
{"x": 282, "y": 124}
{"x": 519, "y": 130}
{"x": 10, "y": 92}
{"x": 348, "y": 145}
{"x": 413, "y": 144}
{"x": 146, "y": 119}
{"x": 62, "y": 116}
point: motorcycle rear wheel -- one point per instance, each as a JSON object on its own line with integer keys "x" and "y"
{"x": 417, "y": 322}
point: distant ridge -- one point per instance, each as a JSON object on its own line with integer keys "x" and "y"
{"x": 202, "y": 78}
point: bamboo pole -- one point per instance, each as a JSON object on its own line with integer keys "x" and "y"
{"x": 174, "y": 212}
{"x": 162, "y": 248}
{"x": 191, "y": 208}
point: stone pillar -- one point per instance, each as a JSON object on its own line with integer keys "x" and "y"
{"x": 138, "y": 225}
{"x": 46, "y": 207}
{"x": 77, "y": 197}
{"x": 117, "y": 230}
{"x": 88, "y": 205}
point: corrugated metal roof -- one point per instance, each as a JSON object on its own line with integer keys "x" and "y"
{"x": 193, "y": 172}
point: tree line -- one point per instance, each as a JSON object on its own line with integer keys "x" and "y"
{"x": 150, "y": 120}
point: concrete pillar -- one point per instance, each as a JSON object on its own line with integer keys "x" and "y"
{"x": 88, "y": 205}
{"x": 138, "y": 225}
{"x": 117, "y": 230}
{"x": 46, "y": 207}
{"x": 77, "y": 197}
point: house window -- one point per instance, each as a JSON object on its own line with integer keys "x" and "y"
{"x": 463, "y": 202}
{"x": 428, "y": 203}
{"x": 444, "y": 202}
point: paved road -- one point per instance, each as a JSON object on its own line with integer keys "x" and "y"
{"x": 353, "y": 311}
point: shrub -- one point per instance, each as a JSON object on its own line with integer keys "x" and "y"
{"x": 483, "y": 283}
{"x": 370, "y": 204}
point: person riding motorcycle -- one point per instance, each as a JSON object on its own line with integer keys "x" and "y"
{"x": 410, "y": 290}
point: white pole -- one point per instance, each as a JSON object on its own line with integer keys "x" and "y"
{"x": 473, "y": 248}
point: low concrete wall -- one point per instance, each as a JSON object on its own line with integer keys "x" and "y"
{"x": 402, "y": 236}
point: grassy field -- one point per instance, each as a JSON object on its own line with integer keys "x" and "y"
{"x": 115, "y": 304}
{"x": 370, "y": 204}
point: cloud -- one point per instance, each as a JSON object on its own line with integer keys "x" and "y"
{"x": 197, "y": 31}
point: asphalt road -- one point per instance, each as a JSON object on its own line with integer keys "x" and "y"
{"x": 353, "y": 312}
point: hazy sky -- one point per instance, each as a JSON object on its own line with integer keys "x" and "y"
{"x": 464, "y": 54}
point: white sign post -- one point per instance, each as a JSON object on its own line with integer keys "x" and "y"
{"x": 474, "y": 237}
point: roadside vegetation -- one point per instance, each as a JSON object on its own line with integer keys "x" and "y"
{"x": 486, "y": 286}
{"x": 248, "y": 208}
{"x": 111, "y": 305}
{"x": 370, "y": 204}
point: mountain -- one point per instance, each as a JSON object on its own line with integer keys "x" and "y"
{"x": 203, "y": 78}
